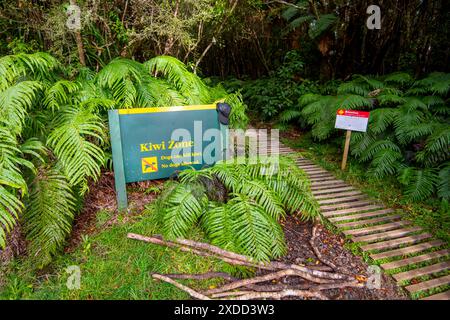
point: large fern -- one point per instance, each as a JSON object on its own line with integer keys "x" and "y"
{"x": 49, "y": 213}
{"x": 246, "y": 220}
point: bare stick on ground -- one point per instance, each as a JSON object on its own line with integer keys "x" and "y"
{"x": 316, "y": 250}
{"x": 191, "y": 292}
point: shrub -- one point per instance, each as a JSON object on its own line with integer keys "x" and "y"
{"x": 408, "y": 133}
{"x": 238, "y": 206}
{"x": 53, "y": 137}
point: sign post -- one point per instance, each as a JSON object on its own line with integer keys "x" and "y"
{"x": 350, "y": 120}
{"x": 156, "y": 143}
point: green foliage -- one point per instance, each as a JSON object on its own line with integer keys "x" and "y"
{"x": 408, "y": 133}
{"x": 280, "y": 90}
{"x": 256, "y": 197}
{"x": 49, "y": 213}
{"x": 59, "y": 125}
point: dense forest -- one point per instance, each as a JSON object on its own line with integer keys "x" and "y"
{"x": 284, "y": 64}
{"x": 237, "y": 38}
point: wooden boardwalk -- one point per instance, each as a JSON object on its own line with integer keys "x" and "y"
{"x": 381, "y": 232}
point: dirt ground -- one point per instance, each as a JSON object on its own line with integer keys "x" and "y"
{"x": 331, "y": 247}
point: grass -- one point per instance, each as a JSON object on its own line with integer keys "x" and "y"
{"x": 112, "y": 267}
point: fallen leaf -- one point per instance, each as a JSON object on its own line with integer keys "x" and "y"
{"x": 361, "y": 278}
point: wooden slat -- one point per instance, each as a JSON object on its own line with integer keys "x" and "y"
{"x": 316, "y": 186}
{"x": 416, "y": 259}
{"x": 377, "y": 228}
{"x": 408, "y": 250}
{"x": 347, "y": 213}
{"x": 330, "y": 178}
{"x": 338, "y": 199}
{"x": 314, "y": 170}
{"x": 352, "y": 204}
{"x": 360, "y": 215}
{"x": 411, "y": 274}
{"x": 333, "y": 190}
{"x": 306, "y": 164}
{"x": 430, "y": 284}
{"x": 320, "y": 175}
{"x": 439, "y": 296}
{"x": 395, "y": 243}
{"x": 355, "y": 224}
{"x": 386, "y": 235}
{"x": 338, "y": 194}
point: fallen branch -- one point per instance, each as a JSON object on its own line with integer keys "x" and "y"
{"x": 317, "y": 252}
{"x": 205, "y": 249}
{"x": 281, "y": 294}
{"x": 190, "y": 291}
{"x": 264, "y": 278}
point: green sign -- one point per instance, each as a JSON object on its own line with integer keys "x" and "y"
{"x": 156, "y": 143}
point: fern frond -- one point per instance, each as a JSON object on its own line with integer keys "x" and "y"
{"x": 59, "y": 94}
{"x": 401, "y": 78}
{"x": 258, "y": 235}
{"x": 15, "y": 102}
{"x": 71, "y": 142}
{"x": 385, "y": 162}
{"x": 381, "y": 119}
{"x": 289, "y": 115}
{"x": 324, "y": 23}
{"x": 353, "y": 102}
{"x": 437, "y": 145}
{"x": 49, "y": 213}
{"x": 176, "y": 73}
{"x": 443, "y": 186}
{"x": 182, "y": 211}
{"x": 419, "y": 183}
{"x": 380, "y": 145}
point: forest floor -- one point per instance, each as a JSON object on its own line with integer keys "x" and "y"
{"x": 114, "y": 267}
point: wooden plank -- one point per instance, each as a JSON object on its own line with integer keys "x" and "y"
{"x": 352, "y": 204}
{"x": 338, "y": 194}
{"x": 377, "y": 228}
{"x": 430, "y": 284}
{"x": 345, "y": 212}
{"x": 305, "y": 163}
{"x": 395, "y": 243}
{"x": 411, "y": 274}
{"x": 416, "y": 259}
{"x": 323, "y": 179}
{"x": 355, "y": 224}
{"x": 318, "y": 186}
{"x": 315, "y": 170}
{"x": 408, "y": 250}
{"x": 386, "y": 235}
{"x": 338, "y": 199}
{"x": 360, "y": 215}
{"x": 331, "y": 191}
{"x": 320, "y": 175}
{"x": 439, "y": 296}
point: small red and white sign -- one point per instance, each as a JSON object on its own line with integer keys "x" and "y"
{"x": 353, "y": 120}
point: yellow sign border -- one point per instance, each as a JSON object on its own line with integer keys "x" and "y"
{"x": 167, "y": 109}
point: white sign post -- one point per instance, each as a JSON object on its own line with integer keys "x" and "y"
{"x": 350, "y": 120}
